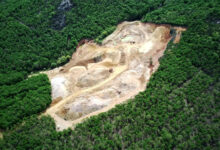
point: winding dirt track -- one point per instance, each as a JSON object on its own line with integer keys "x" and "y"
{"x": 98, "y": 77}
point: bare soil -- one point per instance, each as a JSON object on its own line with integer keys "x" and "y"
{"x": 98, "y": 77}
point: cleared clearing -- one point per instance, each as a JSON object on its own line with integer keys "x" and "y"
{"x": 98, "y": 77}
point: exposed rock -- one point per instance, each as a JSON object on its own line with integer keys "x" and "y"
{"x": 59, "y": 19}
{"x": 100, "y": 76}
{"x": 83, "y": 106}
{"x": 59, "y": 87}
{"x": 65, "y": 5}
{"x": 93, "y": 77}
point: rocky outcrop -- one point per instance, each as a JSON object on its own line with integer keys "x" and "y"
{"x": 65, "y": 5}
{"x": 59, "y": 19}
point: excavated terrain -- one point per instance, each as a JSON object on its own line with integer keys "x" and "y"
{"x": 100, "y": 76}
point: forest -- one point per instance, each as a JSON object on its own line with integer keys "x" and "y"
{"x": 179, "y": 109}
{"x": 23, "y": 99}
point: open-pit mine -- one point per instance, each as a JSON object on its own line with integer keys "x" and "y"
{"x": 98, "y": 77}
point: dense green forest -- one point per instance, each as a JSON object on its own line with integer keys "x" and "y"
{"x": 180, "y": 108}
{"x": 23, "y": 99}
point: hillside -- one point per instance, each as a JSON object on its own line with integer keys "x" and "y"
{"x": 179, "y": 109}
{"x": 98, "y": 77}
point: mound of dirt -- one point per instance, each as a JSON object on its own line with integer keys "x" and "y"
{"x": 100, "y": 76}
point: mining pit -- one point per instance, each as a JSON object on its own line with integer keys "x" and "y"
{"x": 98, "y": 77}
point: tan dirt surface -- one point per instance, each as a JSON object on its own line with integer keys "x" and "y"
{"x": 98, "y": 77}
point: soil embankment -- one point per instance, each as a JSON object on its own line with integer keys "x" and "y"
{"x": 100, "y": 76}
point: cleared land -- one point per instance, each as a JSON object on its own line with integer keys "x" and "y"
{"x": 98, "y": 77}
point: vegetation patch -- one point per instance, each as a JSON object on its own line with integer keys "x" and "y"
{"x": 23, "y": 99}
